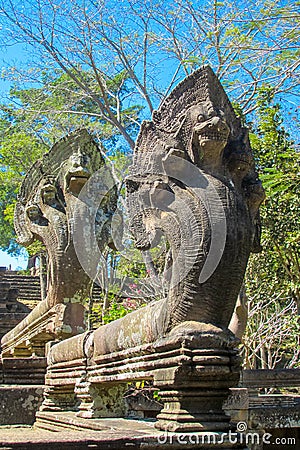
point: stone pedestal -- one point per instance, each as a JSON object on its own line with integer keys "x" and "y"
{"x": 194, "y": 392}
{"x": 188, "y": 410}
{"x": 101, "y": 400}
{"x": 58, "y": 398}
{"x": 193, "y": 367}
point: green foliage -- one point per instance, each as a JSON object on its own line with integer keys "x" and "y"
{"x": 115, "y": 311}
{"x": 273, "y": 277}
{"x": 153, "y": 46}
{"x": 7, "y": 197}
{"x": 156, "y": 395}
{"x": 59, "y": 105}
{"x": 36, "y": 117}
{"x": 18, "y": 151}
{"x": 279, "y": 163}
{"x": 35, "y": 248}
{"x": 143, "y": 388}
{"x": 24, "y": 272}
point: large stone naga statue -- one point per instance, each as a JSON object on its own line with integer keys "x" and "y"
{"x": 192, "y": 180}
{"x": 44, "y": 211}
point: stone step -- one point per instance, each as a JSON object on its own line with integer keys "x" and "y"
{"x": 26, "y": 283}
{"x": 124, "y": 433}
{"x": 57, "y": 431}
{"x": 23, "y": 371}
{"x": 29, "y": 286}
{"x": 69, "y": 420}
{"x": 32, "y": 439}
{"x": 25, "y": 288}
{"x": 16, "y": 277}
{"x": 9, "y": 320}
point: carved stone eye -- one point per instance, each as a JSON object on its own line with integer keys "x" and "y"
{"x": 33, "y": 212}
{"x": 200, "y": 118}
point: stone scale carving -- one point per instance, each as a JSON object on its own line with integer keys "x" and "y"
{"x": 192, "y": 179}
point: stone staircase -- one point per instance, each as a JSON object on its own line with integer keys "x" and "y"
{"x": 28, "y": 286}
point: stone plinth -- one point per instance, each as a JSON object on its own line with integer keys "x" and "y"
{"x": 193, "y": 392}
{"x": 193, "y": 368}
{"x": 19, "y": 404}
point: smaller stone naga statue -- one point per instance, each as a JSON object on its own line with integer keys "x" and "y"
{"x": 45, "y": 211}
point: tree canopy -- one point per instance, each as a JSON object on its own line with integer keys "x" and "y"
{"x": 156, "y": 44}
{"x": 273, "y": 276}
{"x": 27, "y": 131}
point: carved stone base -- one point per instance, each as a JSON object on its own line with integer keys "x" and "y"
{"x": 59, "y": 398}
{"x": 193, "y": 367}
{"x": 188, "y": 410}
{"x": 101, "y": 401}
{"x": 194, "y": 392}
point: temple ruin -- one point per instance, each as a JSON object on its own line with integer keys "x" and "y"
{"x": 192, "y": 180}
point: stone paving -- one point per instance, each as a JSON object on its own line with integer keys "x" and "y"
{"x": 111, "y": 434}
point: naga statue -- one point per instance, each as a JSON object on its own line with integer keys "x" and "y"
{"x": 45, "y": 212}
{"x": 192, "y": 180}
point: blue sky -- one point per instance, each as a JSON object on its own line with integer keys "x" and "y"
{"x": 16, "y": 263}
{"x": 13, "y": 53}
